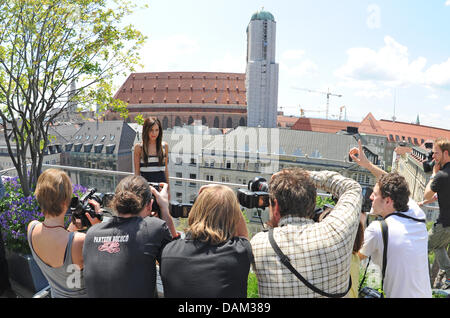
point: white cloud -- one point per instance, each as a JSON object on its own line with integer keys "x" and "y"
{"x": 448, "y": 106}
{"x": 371, "y": 72}
{"x": 173, "y": 53}
{"x": 438, "y": 75}
{"x": 295, "y": 64}
{"x": 389, "y": 65}
{"x": 293, "y": 54}
{"x": 447, "y": 3}
{"x": 228, "y": 63}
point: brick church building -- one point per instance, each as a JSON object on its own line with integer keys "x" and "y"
{"x": 177, "y": 98}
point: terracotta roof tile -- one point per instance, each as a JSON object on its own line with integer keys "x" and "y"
{"x": 184, "y": 87}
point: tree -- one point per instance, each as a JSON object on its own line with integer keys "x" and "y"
{"x": 47, "y": 45}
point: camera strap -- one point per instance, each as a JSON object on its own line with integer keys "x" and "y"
{"x": 406, "y": 217}
{"x": 286, "y": 262}
{"x": 385, "y": 236}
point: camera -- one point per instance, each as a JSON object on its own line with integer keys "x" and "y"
{"x": 79, "y": 207}
{"x": 155, "y": 206}
{"x": 367, "y": 203}
{"x": 180, "y": 210}
{"x": 256, "y": 196}
{"x": 321, "y": 213}
{"x": 176, "y": 209}
{"x": 428, "y": 164}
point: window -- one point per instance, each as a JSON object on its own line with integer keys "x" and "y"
{"x": 194, "y": 177}
{"x": 103, "y": 138}
{"x": 209, "y": 177}
{"x": 179, "y": 196}
{"x": 193, "y": 162}
{"x": 179, "y": 175}
{"x": 178, "y": 161}
{"x": 225, "y": 179}
{"x": 228, "y": 165}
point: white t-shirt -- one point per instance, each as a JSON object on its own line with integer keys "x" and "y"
{"x": 407, "y": 274}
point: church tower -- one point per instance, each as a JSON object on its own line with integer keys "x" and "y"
{"x": 262, "y": 71}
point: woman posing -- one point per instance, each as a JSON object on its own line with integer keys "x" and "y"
{"x": 152, "y": 155}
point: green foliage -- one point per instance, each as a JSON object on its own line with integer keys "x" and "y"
{"x": 17, "y": 210}
{"x": 47, "y": 45}
{"x": 321, "y": 201}
{"x": 252, "y": 286}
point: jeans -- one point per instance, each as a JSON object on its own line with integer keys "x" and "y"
{"x": 438, "y": 240}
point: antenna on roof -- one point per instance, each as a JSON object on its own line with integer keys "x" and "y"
{"x": 395, "y": 97}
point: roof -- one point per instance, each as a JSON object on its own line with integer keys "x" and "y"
{"x": 263, "y": 15}
{"x": 286, "y": 121}
{"x": 107, "y": 133}
{"x": 399, "y": 131}
{"x": 286, "y": 142}
{"x": 323, "y": 125}
{"x": 184, "y": 88}
{"x": 393, "y": 131}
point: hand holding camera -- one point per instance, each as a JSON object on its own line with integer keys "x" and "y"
{"x": 160, "y": 197}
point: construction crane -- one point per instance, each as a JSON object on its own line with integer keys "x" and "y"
{"x": 302, "y": 111}
{"x": 340, "y": 112}
{"x": 320, "y": 92}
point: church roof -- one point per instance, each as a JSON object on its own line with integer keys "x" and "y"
{"x": 263, "y": 15}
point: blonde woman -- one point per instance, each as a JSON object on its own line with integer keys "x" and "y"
{"x": 214, "y": 259}
{"x": 57, "y": 250}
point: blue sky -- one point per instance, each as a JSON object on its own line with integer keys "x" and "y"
{"x": 380, "y": 56}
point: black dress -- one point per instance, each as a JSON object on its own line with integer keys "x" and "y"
{"x": 152, "y": 171}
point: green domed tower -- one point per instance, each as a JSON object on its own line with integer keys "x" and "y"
{"x": 262, "y": 71}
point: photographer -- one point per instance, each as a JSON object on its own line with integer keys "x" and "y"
{"x": 406, "y": 271}
{"x": 214, "y": 259}
{"x": 439, "y": 236}
{"x": 120, "y": 254}
{"x": 320, "y": 252}
{"x": 57, "y": 250}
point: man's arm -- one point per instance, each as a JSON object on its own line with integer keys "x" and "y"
{"x": 429, "y": 193}
{"x": 347, "y": 190}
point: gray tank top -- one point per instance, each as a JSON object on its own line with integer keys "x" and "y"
{"x": 66, "y": 281}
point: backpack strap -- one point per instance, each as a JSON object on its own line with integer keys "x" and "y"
{"x": 385, "y": 235}
{"x": 286, "y": 262}
{"x": 406, "y": 217}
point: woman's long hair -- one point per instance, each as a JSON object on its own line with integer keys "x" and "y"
{"x": 148, "y": 124}
{"x": 214, "y": 216}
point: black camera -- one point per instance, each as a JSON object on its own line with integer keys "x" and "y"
{"x": 429, "y": 163}
{"x": 79, "y": 207}
{"x": 256, "y": 196}
{"x": 180, "y": 210}
{"x": 176, "y": 209}
{"x": 321, "y": 213}
{"x": 367, "y": 203}
{"x": 155, "y": 206}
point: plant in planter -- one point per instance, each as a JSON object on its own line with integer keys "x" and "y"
{"x": 16, "y": 212}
